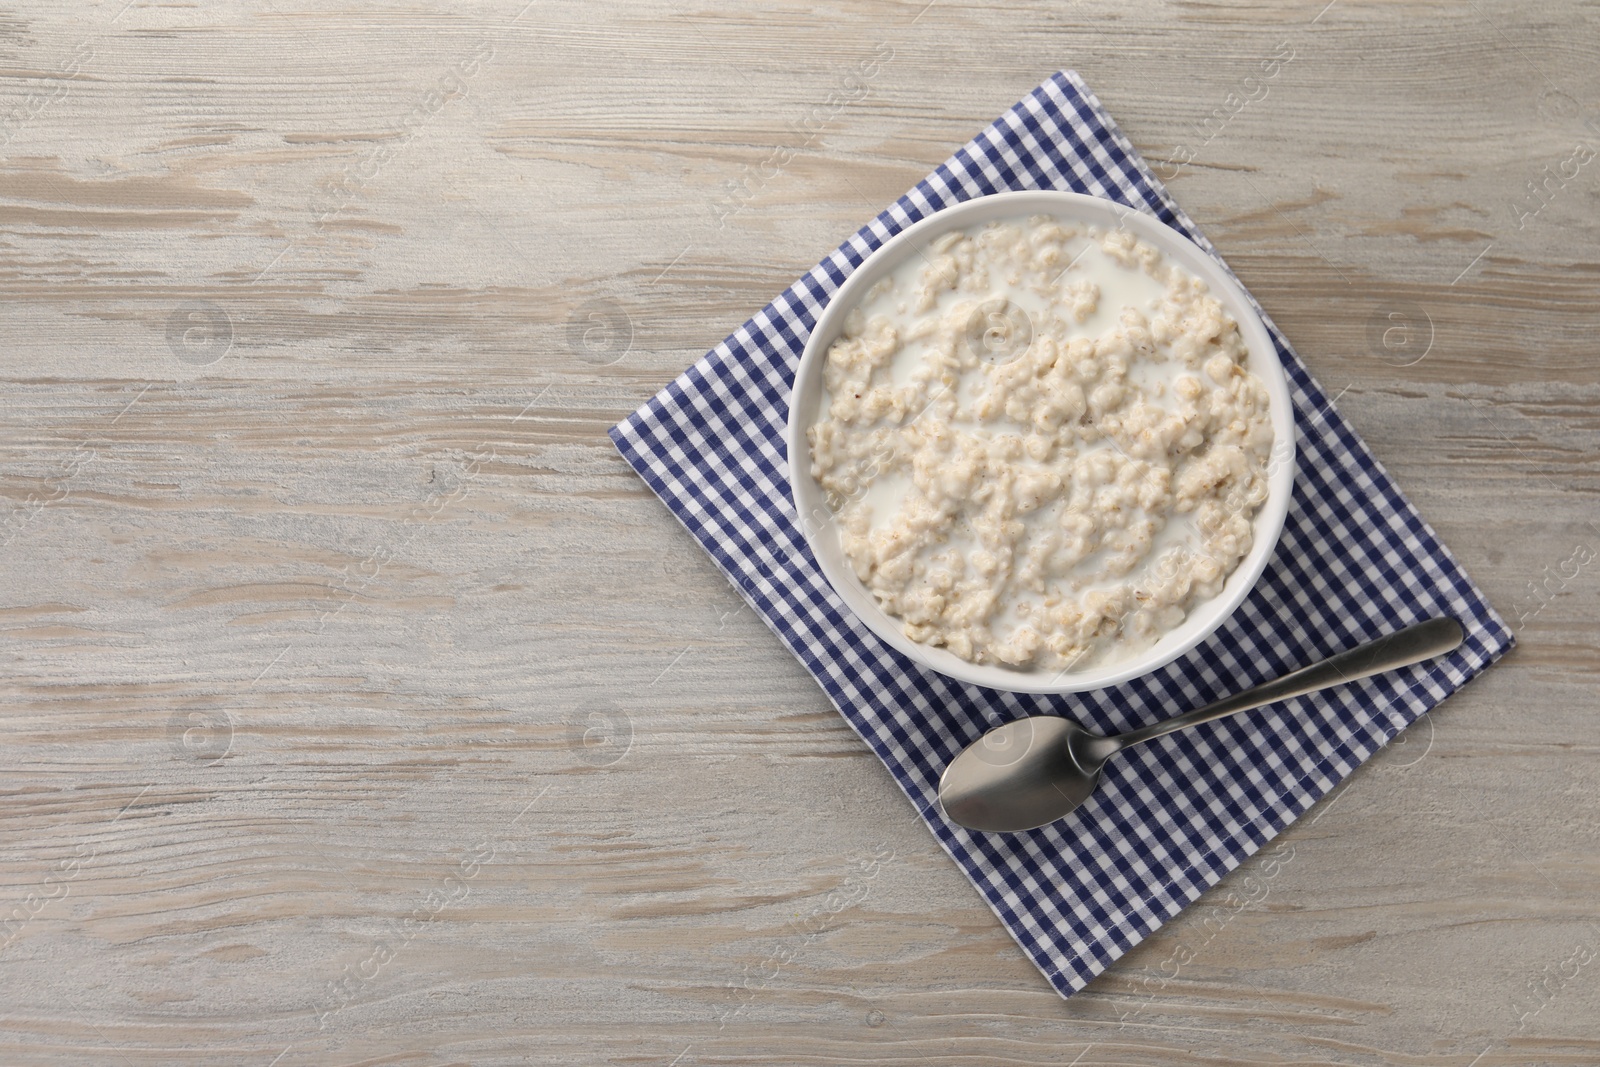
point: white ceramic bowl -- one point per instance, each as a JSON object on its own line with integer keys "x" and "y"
{"x": 821, "y": 532}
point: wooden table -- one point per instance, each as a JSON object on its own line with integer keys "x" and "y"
{"x": 364, "y": 708}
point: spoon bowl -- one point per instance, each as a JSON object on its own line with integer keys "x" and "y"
{"x": 1021, "y": 775}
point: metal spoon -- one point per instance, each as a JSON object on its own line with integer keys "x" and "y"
{"x": 1033, "y": 771}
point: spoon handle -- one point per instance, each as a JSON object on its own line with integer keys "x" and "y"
{"x": 1402, "y": 648}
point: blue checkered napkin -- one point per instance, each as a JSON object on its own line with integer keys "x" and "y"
{"x": 1173, "y": 816}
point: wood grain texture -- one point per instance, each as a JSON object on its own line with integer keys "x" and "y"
{"x": 362, "y": 707}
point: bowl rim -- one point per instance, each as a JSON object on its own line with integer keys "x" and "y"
{"x": 814, "y": 517}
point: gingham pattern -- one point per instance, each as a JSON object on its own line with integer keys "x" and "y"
{"x": 1171, "y": 817}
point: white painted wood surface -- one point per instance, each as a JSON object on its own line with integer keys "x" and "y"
{"x": 361, "y": 706}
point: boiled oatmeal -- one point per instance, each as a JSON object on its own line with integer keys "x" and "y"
{"x": 1042, "y": 444}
